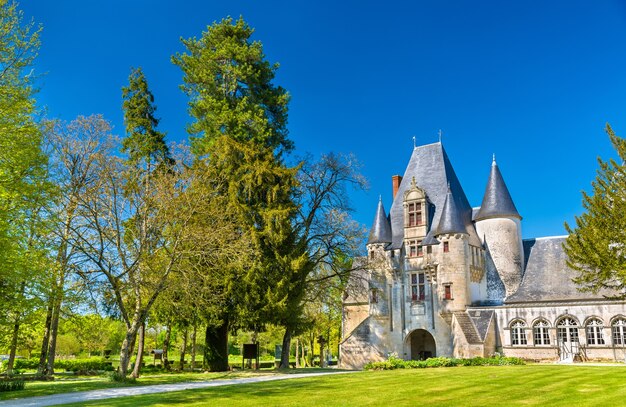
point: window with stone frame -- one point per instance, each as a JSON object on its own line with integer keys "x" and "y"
{"x": 518, "y": 333}
{"x": 447, "y": 291}
{"x": 618, "y": 331}
{"x": 567, "y": 330}
{"x": 593, "y": 330}
{"x": 541, "y": 335}
{"x": 415, "y": 248}
{"x": 418, "y": 287}
{"x": 414, "y": 211}
{"x": 446, "y": 247}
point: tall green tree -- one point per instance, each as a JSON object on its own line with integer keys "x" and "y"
{"x": 240, "y": 124}
{"x": 596, "y": 246}
{"x": 143, "y": 143}
{"x": 23, "y": 186}
{"x": 229, "y": 83}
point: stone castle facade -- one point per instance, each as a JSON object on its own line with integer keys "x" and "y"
{"x": 444, "y": 279}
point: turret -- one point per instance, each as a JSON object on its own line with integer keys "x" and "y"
{"x": 453, "y": 268}
{"x": 499, "y": 228}
{"x": 380, "y": 234}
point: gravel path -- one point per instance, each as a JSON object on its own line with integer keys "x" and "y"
{"x": 83, "y": 396}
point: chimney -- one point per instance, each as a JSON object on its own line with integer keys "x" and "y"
{"x": 395, "y": 184}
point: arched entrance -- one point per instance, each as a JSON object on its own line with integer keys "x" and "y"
{"x": 422, "y": 345}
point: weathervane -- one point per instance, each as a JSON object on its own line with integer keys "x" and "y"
{"x": 440, "y": 134}
{"x": 414, "y": 142}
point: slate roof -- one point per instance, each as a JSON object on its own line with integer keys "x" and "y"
{"x": 497, "y": 200}
{"x": 381, "y": 230}
{"x": 433, "y": 172}
{"x": 451, "y": 220}
{"x": 546, "y": 275}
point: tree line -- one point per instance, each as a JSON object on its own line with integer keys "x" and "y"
{"x": 226, "y": 232}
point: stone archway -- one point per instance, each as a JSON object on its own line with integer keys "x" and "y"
{"x": 421, "y": 344}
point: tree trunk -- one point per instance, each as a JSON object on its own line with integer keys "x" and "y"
{"x": 193, "y": 348}
{"x": 284, "y": 354}
{"x": 13, "y": 348}
{"x": 166, "y": 346}
{"x": 127, "y": 345}
{"x": 54, "y": 330}
{"x": 139, "y": 359}
{"x": 297, "y": 353}
{"x": 42, "y": 368}
{"x": 216, "y": 348}
{"x": 183, "y": 350}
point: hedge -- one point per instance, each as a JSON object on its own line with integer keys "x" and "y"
{"x": 71, "y": 365}
{"x": 396, "y": 363}
{"x": 11, "y": 385}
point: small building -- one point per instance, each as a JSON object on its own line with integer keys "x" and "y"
{"x": 444, "y": 279}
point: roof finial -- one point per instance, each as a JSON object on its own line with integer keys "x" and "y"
{"x": 449, "y": 187}
{"x": 494, "y": 159}
{"x": 414, "y": 142}
{"x": 380, "y": 198}
{"x": 440, "y": 134}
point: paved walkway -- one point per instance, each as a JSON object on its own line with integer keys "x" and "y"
{"x": 83, "y": 396}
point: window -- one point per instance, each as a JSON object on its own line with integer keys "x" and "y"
{"x": 446, "y": 247}
{"x": 567, "y": 330}
{"x": 618, "y": 329}
{"x": 374, "y": 296}
{"x": 518, "y": 336}
{"x": 540, "y": 333}
{"x": 415, "y": 248}
{"x": 594, "y": 332}
{"x": 447, "y": 291}
{"x": 372, "y": 254}
{"x": 418, "y": 287}
{"x": 429, "y": 249}
{"x": 415, "y": 214}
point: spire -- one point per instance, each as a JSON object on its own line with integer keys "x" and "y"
{"x": 381, "y": 231}
{"x": 497, "y": 201}
{"x": 451, "y": 220}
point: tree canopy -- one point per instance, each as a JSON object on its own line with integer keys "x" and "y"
{"x": 596, "y": 246}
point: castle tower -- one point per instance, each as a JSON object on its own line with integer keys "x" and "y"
{"x": 498, "y": 226}
{"x": 453, "y": 238}
{"x": 380, "y": 234}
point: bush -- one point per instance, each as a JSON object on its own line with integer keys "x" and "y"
{"x": 11, "y": 385}
{"x": 71, "y": 365}
{"x": 393, "y": 362}
{"x": 118, "y": 378}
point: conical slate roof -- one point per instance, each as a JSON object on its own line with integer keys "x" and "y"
{"x": 381, "y": 230}
{"x": 451, "y": 220}
{"x": 430, "y": 239}
{"x": 497, "y": 201}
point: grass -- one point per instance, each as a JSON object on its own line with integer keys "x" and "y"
{"x": 532, "y": 385}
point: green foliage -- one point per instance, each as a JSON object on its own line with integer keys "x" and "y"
{"x": 393, "y": 362}
{"x": 229, "y": 83}
{"x": 596, "y": 246}
{"x": 11, "y": 385}
{"x": 143, "y": 141}
{"x": 70, "y": 365}
{"x": 118, "y": 377}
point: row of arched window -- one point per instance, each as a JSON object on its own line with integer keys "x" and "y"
{"x": 567, "y": 329}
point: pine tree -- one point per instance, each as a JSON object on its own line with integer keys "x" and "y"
{"x": 596, "y": 247}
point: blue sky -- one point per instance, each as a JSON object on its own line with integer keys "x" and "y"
{"x": 533, "y": 82}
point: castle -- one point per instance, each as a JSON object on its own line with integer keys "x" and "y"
{"x": 444, "y": 279}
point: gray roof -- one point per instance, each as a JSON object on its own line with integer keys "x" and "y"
{"x": 546, "y": 275}
{"x": 451, "y": 220}
{"x": 430, "y": 239}
{"x": 381, "y": 230}
{"x": 497, "y": 200}
{"x": 433, "y": 172}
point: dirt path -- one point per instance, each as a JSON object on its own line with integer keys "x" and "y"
{"x": 83, "y": 396}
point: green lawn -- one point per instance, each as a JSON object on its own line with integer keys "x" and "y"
{"x": 531, "y": 385}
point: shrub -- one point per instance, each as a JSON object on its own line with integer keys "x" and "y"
{"x": 394, "y": 362}
{"x": 118, "y": 378}
{"x": 11, "y": 385}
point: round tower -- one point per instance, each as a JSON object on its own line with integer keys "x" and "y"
{"x": 380, "y": 234}
{"x": 498, "y": 225}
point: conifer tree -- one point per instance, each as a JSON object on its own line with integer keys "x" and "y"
{"x": 596, "y": 246}
{"x": 239, "y": 132}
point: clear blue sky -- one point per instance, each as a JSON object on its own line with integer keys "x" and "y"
{"x": 532, "y": 81}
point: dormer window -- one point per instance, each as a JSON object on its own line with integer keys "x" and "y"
{"x": 415, "y": 214}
